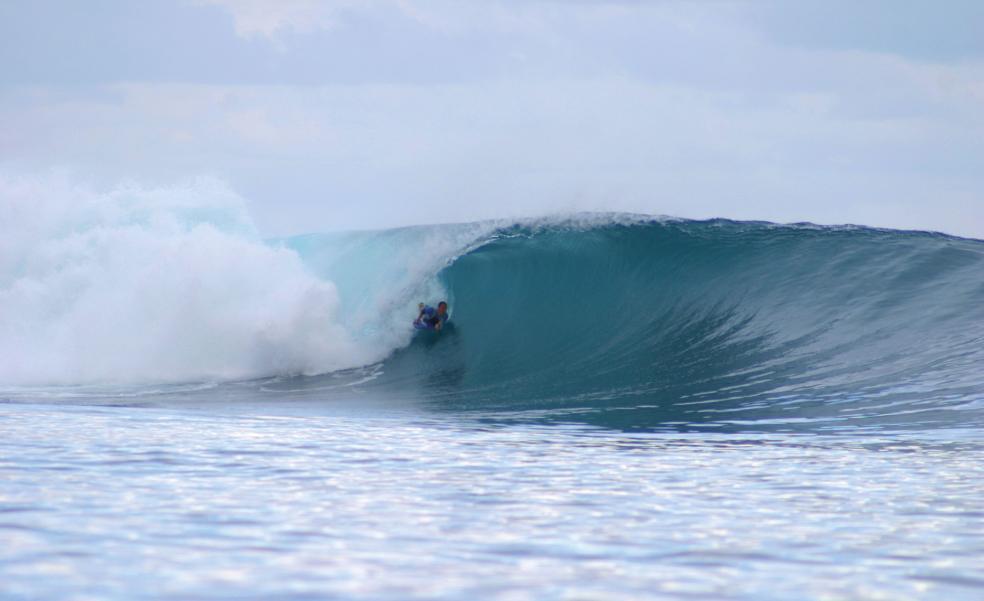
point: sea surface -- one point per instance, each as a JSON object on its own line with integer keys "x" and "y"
{"x": 623, "y": 407}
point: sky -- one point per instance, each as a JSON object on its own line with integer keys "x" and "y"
{"x": 328, "y": 115}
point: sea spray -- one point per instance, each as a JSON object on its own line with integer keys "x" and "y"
{"x": 139, "y": 285}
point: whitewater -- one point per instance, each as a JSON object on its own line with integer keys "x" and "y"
{"x": 625, "y": 406}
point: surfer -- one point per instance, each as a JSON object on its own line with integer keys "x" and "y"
{"x": 431, "y": 318}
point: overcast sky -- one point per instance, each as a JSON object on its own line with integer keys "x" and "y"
{"x": 351, "y": 114}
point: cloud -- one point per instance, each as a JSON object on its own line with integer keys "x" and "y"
{"x": 360, "y": 114}
{"x": 264, "y": 18}
{"x": 342, "y": 156}
{"x": 915, "y": 29}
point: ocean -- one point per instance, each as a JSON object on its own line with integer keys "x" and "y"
{"x": 622, "y": 407}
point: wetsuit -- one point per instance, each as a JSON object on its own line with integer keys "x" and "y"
{"x": 430, "y": 318}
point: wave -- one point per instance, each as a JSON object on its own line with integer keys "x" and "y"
{"x": 133, "y": 287}
{"x": 636, "y": 323}
{"x": 620, "y": 320}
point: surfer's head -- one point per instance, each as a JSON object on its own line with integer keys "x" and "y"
{"x": 442, "y": 308}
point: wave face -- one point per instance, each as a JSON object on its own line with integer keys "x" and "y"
{"x": 641, "y": 324}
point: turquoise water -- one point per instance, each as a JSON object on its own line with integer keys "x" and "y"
{"x": 624, "y": 408}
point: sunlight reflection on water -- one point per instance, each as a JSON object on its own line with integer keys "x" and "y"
{"x": 122, "y": 503}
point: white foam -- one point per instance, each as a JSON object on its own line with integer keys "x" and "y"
{"x": 154, "y": 285}
{"x": 163, "y": 285}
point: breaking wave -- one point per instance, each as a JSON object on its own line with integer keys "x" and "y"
{"x": 623, "y": 320}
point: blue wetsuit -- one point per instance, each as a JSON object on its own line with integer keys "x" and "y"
{"x": 430, "y": 317}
